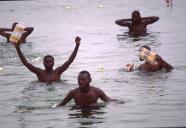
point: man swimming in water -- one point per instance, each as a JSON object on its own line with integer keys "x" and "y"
{"x": 85, "y": 94}
{"x": 49, "y": 74}
{"x": 137, "y": 25}
{"x": 149, "y": 67}
{"x": 5, "y": 32}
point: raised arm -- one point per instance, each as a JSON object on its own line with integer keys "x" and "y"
{"x": 150, "y": 20}
{"x": 27, "y": 31}
{"x": 64, "y": 67}
{"x": 163, "y": 63}
{"x": 66, "y": 99}
{"x": 25, "y": 62}
{"x": 3, "y": 32}
{"x": 124, "y": 22}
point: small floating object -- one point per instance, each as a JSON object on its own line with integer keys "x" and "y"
{"x": 169, "y": 2}
{"x": 100, "y": 6}
{"x": 67, "y": 7}
{"x": 1, "y": 68}
{"x": 55, "y": 105}
{"x": 100, "y": 67}
{"x": 11, "y": 10}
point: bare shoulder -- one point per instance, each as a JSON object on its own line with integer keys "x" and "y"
{"x": 94, "y": 88}
{"x": 101, "y": 94}
{"x": 151, "y": 19}
{"x": 39, "y": 70}
{"x": 74, "y": 91}
{"x": 97, "y": 90}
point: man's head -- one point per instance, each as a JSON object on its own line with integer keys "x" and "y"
{"x": 136, "y": 18}
{"x": 84, "y": 80}
{"x": 48, "y": 62}
{"x": 144, "y": 46}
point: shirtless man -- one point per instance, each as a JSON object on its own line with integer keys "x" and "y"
{"x": 49, "y": 74}
{"x": 149, "y": 67}
{"x": 85, "y": 95}
{"x": 5, "y": 32}
{"x": 160, "y": 64}
{"x": 137, "y": 25}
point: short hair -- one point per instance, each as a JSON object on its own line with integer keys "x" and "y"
{"x": 136, "y": 11}
{"x": 145, "y": 46}
{"x": 48, "y": 56}
{"x": 86, "y": 72}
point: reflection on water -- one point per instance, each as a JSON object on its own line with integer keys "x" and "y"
{"x": 87, "y": 116}
{"x": 87, "y": 111}
{"x": 151, "y": 37}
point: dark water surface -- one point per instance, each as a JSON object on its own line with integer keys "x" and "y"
{"x": 151, "y": 100}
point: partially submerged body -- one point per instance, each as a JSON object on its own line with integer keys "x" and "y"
{"x": 137, "y": 25}
{"x": 85, "y": 95}
{"x": 49, "y": 74}
{"x": 151, "y": 67}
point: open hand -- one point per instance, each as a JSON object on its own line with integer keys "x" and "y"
{"x": 77, "y": 40}
{"x": 130, "y": 67}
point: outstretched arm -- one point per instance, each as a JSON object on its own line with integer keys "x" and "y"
{"x": 66, "y": 99}
{"x": 124, "y": 22}
{"x": 64, "y": 67}
{"x": 163, "y": 63}
{"x": 150, "y": 20}
{"x": 102, "y": 95}
{"x": 25, "y": 62}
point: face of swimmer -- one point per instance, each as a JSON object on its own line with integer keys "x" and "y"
{"x": 48, "y": 62}
{"x": 136, "y": 18}
{"x": 84, "y": 80}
